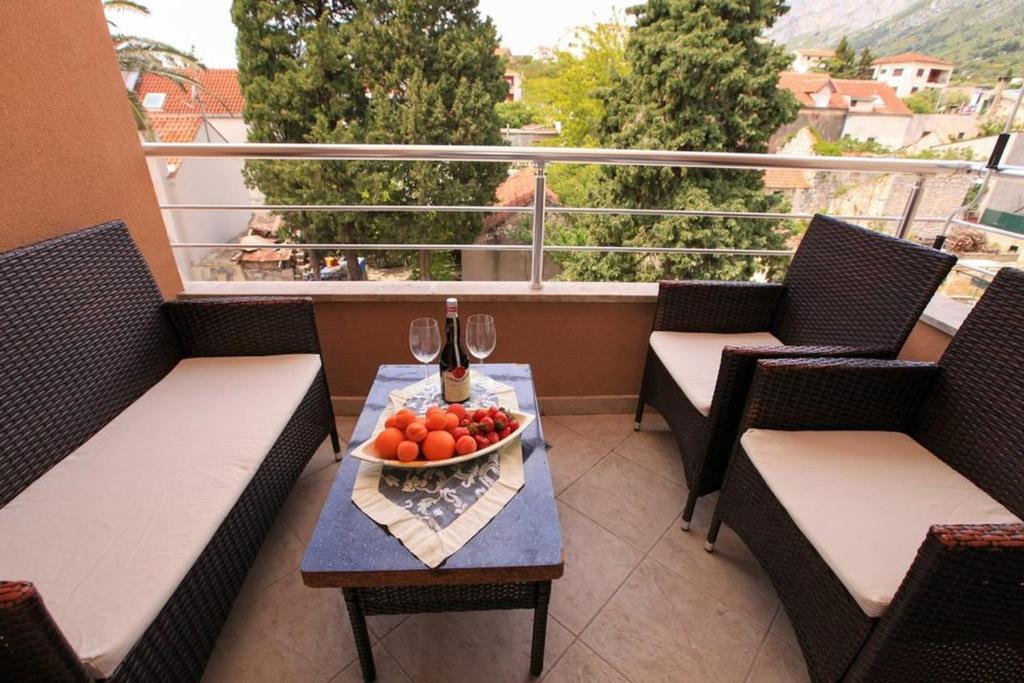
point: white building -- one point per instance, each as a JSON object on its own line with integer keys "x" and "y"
{"x": 212, "y": 113}
{"x": 910, "y": 72}
{"x": 806, "y": 59}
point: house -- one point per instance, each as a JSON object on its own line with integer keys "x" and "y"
{"x": 909, "y": 72}
{"x": 515, "y": 85}
{"x": 210, "y": 113}
{"x": 807, "y": 59}
{"x": 864, "y": 110}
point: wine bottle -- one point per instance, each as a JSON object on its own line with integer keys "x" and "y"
{"x": 454, "y": 360}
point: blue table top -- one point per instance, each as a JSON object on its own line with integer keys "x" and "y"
{"x": 522, "y": 543}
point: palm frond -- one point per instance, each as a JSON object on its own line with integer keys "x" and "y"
{"x": 124, "y": 6}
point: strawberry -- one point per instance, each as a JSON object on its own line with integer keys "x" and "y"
{"x": 513, "y": 425}
{"x": 482, "y": 441}
{"x": 492, "y": 411}
{"x": 504, "y": 433}
{"x": 479, "y": 415}
{"x": 459, "y": 432}
{"x": 493, "y": 437}
{"x": 486, "y": 425}
{"x": 500, "y": 423}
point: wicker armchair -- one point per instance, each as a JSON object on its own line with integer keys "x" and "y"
{"x": 85, "y": 334}
{"x": 849, "y": 292}
{"x": 955, "y": 611}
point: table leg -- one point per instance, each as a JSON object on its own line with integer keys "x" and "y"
{"x": 362, "y": 636}
{"x": 540, "y": 628}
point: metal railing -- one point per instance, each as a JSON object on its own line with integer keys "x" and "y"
{"x": 539, "y": 158}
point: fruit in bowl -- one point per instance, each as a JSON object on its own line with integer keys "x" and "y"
{"x": 442, "y": 433}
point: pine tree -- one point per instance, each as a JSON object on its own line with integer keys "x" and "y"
{"x": 701, "y": 78}
{"x": 371, "y": 71}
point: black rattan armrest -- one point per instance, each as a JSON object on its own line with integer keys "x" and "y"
{"x": 964, "y": 591}
{"x": 32, "y": 647}
{"x": 837, "y": 393}
{"x": 722, "y": 307}
{"x": 244, "y": 326}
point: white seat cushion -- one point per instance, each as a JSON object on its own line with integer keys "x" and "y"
{"x": 865, "y": 501}
{"x": 692, "y": 358}
{"x": 109, "y": 532}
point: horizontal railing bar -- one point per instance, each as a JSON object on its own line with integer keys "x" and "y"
{"x": 497, "y": 154}
{"x": 481, "y": 247}
{"x": 353, "y": 208}
{"x": 567, "y": 210}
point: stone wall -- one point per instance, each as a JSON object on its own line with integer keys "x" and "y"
{"x": 858, "y": 194}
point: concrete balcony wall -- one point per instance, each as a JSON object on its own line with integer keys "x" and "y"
{"x": 69, "y": 152}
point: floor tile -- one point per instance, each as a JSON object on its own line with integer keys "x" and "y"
{"x": 581, "y": 665}
{"x": 323, "y": 457}
{"x": 778, "y": 662}
{"x": 596, "y": 563}
{"x": 663, "y": 628}
{"x": 301, "y": 509}
{"x": 731, "y": 573}
{"x": 288, "y": 632}
{"x": 608, "y": 430}
{"x": 472, "y": 646}
{"x": 783, "y": 628}
{"x": 631, "y": 501}
{"x": 656, "y": 450}
{"x": 383, "y": 624}
{"x": 346, "y": 423}
{"x": 279, "y": 555}
{"x": 571, "y": 455}
{"x": 387, "y": 668}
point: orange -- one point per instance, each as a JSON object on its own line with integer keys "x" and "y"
{"x": 458, "y": 410}
{"x": 408, "y": 451}
{"x": 451, "y": 421}
{"x": 439, "y": 445}
{"x": 436, "y": 421}
{"x": 404, "y": 417}
{"x": 390, "y": 422}
{"x": 465, "y": 445}
{"x": 416, "y": 431}
{"x": 386, "y": 443}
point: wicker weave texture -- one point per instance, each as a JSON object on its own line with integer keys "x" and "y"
{"x": 245, "y": 326}
{"x": 723, "y": 307}
{"x": 973, "y": 420}
{"x": 853, "y": 286}
{"x": 32, "y": 647}
{"x": 83, "y": 337}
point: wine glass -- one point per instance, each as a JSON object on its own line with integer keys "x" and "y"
{"x": 480, "y": 336}
{"x": 424, "y": 341}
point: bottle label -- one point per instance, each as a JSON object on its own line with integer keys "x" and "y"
{"x": 456, "y": 385}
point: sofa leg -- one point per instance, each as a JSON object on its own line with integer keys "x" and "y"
{"x": 335, "y": 441}
{"x": 639, "y": 414}
{"x": 691, "y": 504}
{"x": 716, "y": 522}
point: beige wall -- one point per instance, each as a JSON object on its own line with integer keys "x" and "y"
{"x": 925, "y": 343}
{"x": 69, "y": 153}
{"x": 576, "y": 349}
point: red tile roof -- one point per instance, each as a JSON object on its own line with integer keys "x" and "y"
{"x": 220, "y": 95}
{"x": 803, "y": 86}
{"x": 174, "y": 127}
{"x": 785, "y": 179}
{"x": 905, "y": 57}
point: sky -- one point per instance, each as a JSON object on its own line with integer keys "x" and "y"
{"x": 205, "y": 25}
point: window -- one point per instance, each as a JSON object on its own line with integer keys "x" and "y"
{"x": 154, "y": 101}
{"x": 960, "y": 135}
{"x": 920, "y": 72}
{"x": 885, "y": 71}
{"x": 914, "y": 90}
{"x": 872, "y": 139}
{"x": 897, "y": 72}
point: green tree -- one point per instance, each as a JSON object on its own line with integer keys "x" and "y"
{"x": 700, "y": 78}
{"x": 923, "y": 101}
{"x": 846, "y": 63}
{"x": 372, "y": 71}
{"x": 515, "y": 114}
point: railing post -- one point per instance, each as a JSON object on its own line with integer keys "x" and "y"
{"x": 539, "y": 200}
{"x": 910, "y": 210}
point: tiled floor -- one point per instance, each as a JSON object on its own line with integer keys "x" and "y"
{"x": 640, "y": 600}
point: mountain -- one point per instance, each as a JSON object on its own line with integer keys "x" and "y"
{"x": 982, "y": 37}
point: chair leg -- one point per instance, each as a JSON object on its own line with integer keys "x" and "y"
{"x": 335, "y": 440}
{"x": 716, "y": 522}
{"x": 691, "y": 504}
{"x": 639, "y": 414}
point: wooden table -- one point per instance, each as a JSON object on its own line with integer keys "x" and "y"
{"x": 509, "y": 564}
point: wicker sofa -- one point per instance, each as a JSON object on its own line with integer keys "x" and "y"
{"x": 145, "y": 448}
{"x": 884, "y": 499}
{"x": 849, "y": 292}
